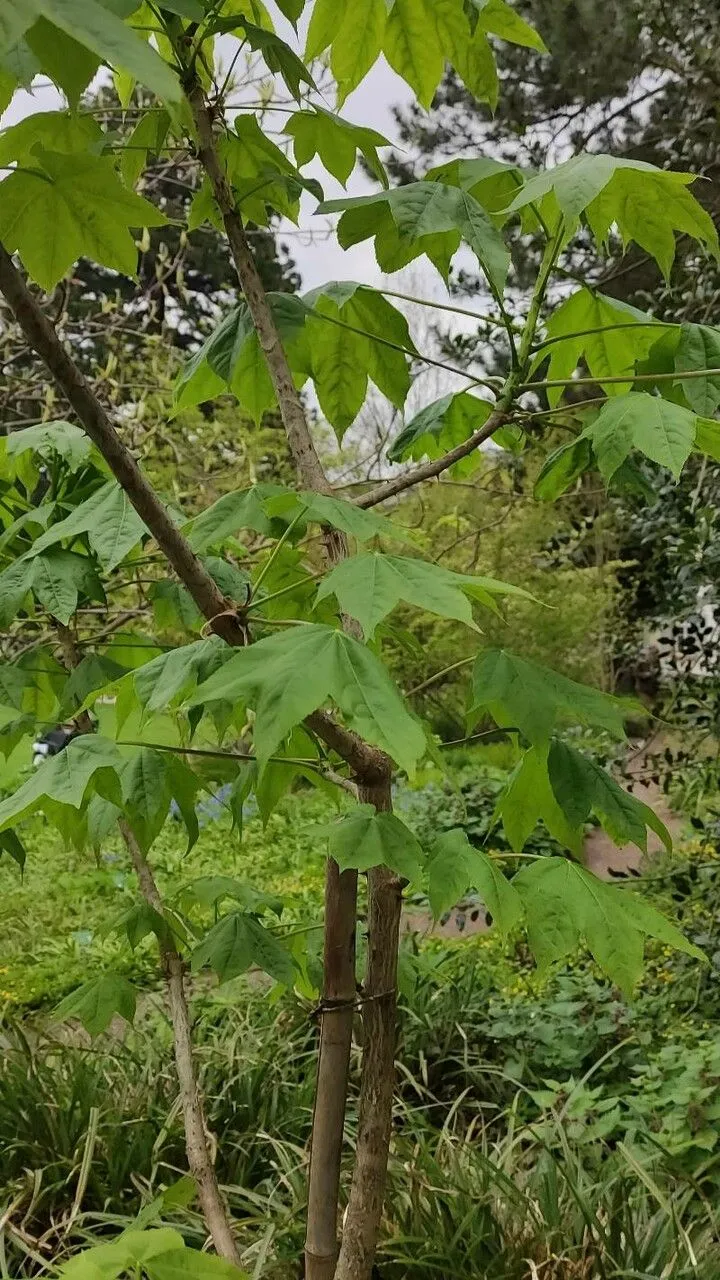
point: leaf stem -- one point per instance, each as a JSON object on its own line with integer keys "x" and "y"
{"x": 604, "y": 328}
{"x": 279, "y": 546}
{"x": 678, "y": 376}
{"x": 419, "y": 688}
{"x": 497, "y": 321}
{"x": 284, "y": 591}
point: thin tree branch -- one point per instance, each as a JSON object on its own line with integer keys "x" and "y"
{"x": 428, "y": 470}
{"x": 291, "y": 410}
{"x": 196, "y": 1132}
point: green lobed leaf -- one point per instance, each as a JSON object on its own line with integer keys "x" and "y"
{"x": 339, "y": 335}
{"x": 96, "y": 1003}
{"x": 648, "y": 205}
{"x": 369, "y": 585}
{"x": 562, "y": 468}
{"x": 336, "y": 512}
{"x": 13, "y": 732}
{"x": 420, "y": 213}
{"x": 707, "y": 437}
{"x": 174, "y": 608}
{"x": 208, "y": 891}
{"x": 412, "y": 48}
{"x": 234, "y": 360}
{"x": 528, "y": 798}
{"x": 609, "y": 352}
{"x": 336, "y": 141}
{"x": 500, "y": 19}
{"x": 59, "y": 578}
{"x": 93, "y": 673}
{"x": 663, "y": 431}
{"x": 65, "y": 208}
{"x": 147, "y": 139}
{"x": 454, "y": 866}
{"x": 63, "y": 132}
{"x": 146, "y": 794}
{"x": 141, "y": 921}
{"x": 357, "y": 40}
{"x": 581, "y": 786}
{"x": 440, "y": 426}
{"x": 699, "y": 348}
{"x": 520, "y": 693}
{"x": 97, "y": 28}
{"x": 129, "y": 1252}
{"x": 564, "y": 904}
{"x": 108, "y": 518}
{"x": 353, "y": 333}
{"x": 241, "y": 509}
{"x": 66, "y": 779}
{"x": 162, "y": 683}
{"x": 190, "y": 1264}
{"x": 289, "y": 675}
{"x": 279, "y": 57}
{"x": 238, "y": 941}
{"x": 15, "y": 584}
{"x": 365, "y": 838}
{"x": 64, "y": 439}
{"x": 492, "y": 182}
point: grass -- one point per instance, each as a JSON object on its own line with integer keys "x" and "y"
{"x": 91, "y": 1138}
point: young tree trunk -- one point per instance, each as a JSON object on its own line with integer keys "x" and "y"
{"x": 197, "y": 1146}
{"x": 367, "y": 1192}
{"x": 336, "y": 1012}
{"x": 338, "y": 994}
{"x": 196, "y": 1132}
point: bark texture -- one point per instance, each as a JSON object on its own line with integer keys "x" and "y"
{"x": 367, "y": 1192}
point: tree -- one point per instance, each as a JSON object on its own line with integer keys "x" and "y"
{"x": 281, "y": 629}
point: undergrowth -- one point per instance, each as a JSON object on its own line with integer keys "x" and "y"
{"x": 544, "y": 1128}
